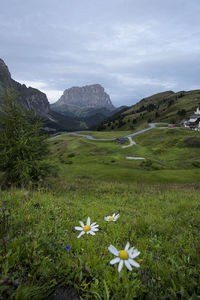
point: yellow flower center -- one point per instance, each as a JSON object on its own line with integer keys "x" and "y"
{"x": 111, "y": 218}
{"x": 123, "y": 254}
{"x": 86, "y": 228}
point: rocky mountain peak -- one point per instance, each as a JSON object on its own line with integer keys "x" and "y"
{"x": 89, "y": 96}
{"x": 5, "y": 77}
{"x": 29, "y": 98}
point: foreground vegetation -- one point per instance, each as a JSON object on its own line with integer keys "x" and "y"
{"x": 158, "y": 203}
{"x": 162, "y": 222}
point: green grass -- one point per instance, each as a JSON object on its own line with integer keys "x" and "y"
{"x": 168, "y": 158}
{"x": 107, "y": 135}
{"x": 158, "y": 203}
{"x": 165, "y": 107}
{"x": 162, "y": 222}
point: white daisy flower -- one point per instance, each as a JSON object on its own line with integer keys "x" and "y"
{"x": 88, "y": 228}
{"x": 112, "y": 218}
{"x": 124, "y": 257}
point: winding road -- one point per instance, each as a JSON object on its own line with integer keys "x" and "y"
{"x": 89, "y": 137}
{"x": 132, "y": 142}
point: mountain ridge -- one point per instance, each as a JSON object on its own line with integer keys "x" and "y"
{"x": 168, "y": 107}
{"x": 33, "y": 99}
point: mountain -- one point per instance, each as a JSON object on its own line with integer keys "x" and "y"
{"x": 84, "y": 102}
{"x": 169, "y": 107}
{"x": 31, "y": 98}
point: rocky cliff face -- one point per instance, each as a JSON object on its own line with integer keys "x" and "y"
{"x": 5, "y": 77}
{"x": 29, "y": 98}
{"x": 87, "y": 97}
{"x": 88, "y": 101}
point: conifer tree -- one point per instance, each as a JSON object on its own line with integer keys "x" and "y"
{"x": 22, "y": 147}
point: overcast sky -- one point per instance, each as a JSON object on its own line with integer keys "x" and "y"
{"x": 133, "y": 48}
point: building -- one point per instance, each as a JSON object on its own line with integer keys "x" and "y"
{"x": 194, "y": 121}
{"x": 121, "y": 140}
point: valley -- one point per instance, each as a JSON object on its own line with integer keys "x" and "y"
{"x": 169, "y": 159}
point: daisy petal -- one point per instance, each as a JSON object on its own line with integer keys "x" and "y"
{"x": 127, "y": 264}
{"x": 133, "y": 263}
{"x": 113, "y": 215}
{"x": 115, "y": 260}
{"x": 120, "y": 266}
{"x": 134, "y": 253}
{"x": 91, "y": 232}
{"x": 81, "y": 223}
{"x": 82, "y": 232}
{"x": 78, "y": 228}
{"x": 113, "y": 250}
{"x": 93, "y": 224}
{"x": 94, "y": 229}
{"x": 88, "y": 221}
{"x": 127, "y": 246}
{"x": 106, "y": 218}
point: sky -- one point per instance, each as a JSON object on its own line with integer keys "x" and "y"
{"x": 133, "y": 48}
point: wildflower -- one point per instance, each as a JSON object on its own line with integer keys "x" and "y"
{"x": 68, "y": 247}
{"x": 112, "y": 218}
{"x": 124, "y": 257}
{"x": 88, "y": 228}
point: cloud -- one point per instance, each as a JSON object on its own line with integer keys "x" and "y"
{"x": 133, "y": 48}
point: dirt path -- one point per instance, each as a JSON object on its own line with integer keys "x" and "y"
{"x": 132, "y": 142}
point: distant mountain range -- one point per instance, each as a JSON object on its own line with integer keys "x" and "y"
{"x": 78, "y": 108}
{"x": 84, "y": 101}
{"x": 34, "y": 99}
{"x": 169, "y": 107}
{"x": 89, "y": 103}
{"x": 81, "y": 108}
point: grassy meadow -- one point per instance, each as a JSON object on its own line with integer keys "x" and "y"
{"x": 159, "y": 207}
{"x": 168, "y": 158}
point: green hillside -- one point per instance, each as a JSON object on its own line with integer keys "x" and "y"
{"x": 167, "y": 107}
{"x": 171, "y": 155}
{"x": 158, "y": 203}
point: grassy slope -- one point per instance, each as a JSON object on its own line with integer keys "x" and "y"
{"x": 168, "y": 158}
{"x": 162, "y": 222}
{"x": 167, "y": 107}
{"x": 108, "y": 135}
{"x": 95, "y": 179}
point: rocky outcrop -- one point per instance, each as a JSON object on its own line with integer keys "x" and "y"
{"x": 88, "y": 101}
{"x": 5, "y": 77}
{"x": 77, "y": 99}
{"x": 29, "y": 98}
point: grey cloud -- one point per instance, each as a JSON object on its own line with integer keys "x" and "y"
{"x": 133, "y": 48}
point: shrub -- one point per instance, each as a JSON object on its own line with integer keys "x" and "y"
{"x": 196, "y": 164}
{"x": 22, "y": 147}
{"x": 71, "y": 155}
{"x": 148, "y": 165}
{"x": 192, "y": 141}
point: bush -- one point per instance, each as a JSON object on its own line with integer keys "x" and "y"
{"x": 71, "y": 155}
{"x": 196, "y": 164}
{"x": 22, "y": 147}
{"x": 192, "y": 141}
{"x": 148, "y": 165}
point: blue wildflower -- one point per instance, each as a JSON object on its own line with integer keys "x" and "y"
{"x": 68, "y": 247}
